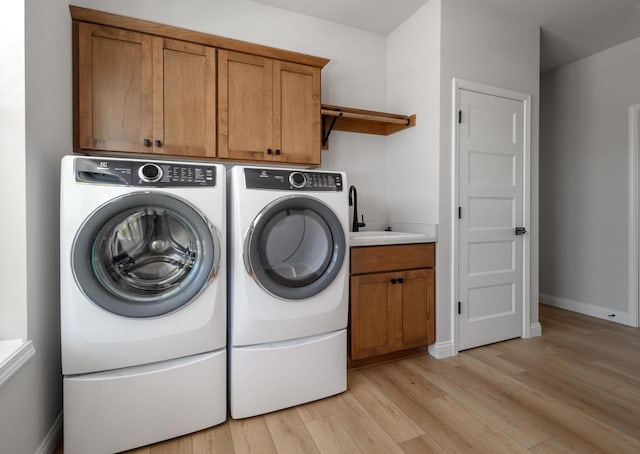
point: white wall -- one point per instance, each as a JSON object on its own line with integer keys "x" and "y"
{"x": 31, "y": 401}
{"x": 13, "y": 267}
{"x": 355, "y": 76}
{"x": 584, "y": 179}
{"x": 485, "y": 45}
{"x": 413, "y": 86}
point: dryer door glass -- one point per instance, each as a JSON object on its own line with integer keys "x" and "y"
{"x": 296, "y": 247}
{"x": 144, "y": 255}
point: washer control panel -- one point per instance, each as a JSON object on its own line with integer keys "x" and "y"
{"x": 144, "y": 173}
{"x": 288, "y": 180}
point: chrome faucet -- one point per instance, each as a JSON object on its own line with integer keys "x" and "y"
{"x": 353, "y": 201}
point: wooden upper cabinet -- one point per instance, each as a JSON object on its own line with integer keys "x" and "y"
{"x": 144, "y": 94}
{"x": 245, "y": 106}
{"x": 144, "y": 87}
{"x": 114, "y": 89}
{"x": 184, "y": 98}
{"x": 297, "y": 128}
{"x": 268, "y": 109}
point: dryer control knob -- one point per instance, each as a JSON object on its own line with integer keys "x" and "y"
{"x": 297, "y": 179}
{"x": 150, "y": 173}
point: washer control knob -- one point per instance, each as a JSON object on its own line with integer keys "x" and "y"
{"x": 297, "y": 179}
{"x": 150, "y": 173}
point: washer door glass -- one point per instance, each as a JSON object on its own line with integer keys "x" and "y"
{"x": 144, "y": 255}
{"x": 295, "y": 248}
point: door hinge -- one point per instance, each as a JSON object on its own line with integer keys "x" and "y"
{"x": 459, "y": 117}
{"x": 459, "y": 307}
{"x": 459, "y": 212}
{"x": 521, "y": 230}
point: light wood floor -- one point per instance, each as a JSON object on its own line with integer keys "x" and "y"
{"x": 575, "y": 389}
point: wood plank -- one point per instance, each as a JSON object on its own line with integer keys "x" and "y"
{"x": 365, "y": 431}
{"x": 289, "y": 433}
{"x": 330, "y": 436}
{"x": 509, "y": 406}
{"x": 174, "y": 446}
{"x": 251, "y": 435}
{"x": 492, "y": 409}
{"x": 383, "y": 410}
{"x": 594, "y": 431}
{"x": 401, "y": 386}
{"x": 314, "y": 410}
{"x": 472, "y": 428}
{"x": 516, "y": 396}
{"x": 421, "y": 445}
{"x": 560, "y": 446}
{"x": 213, "y": 440}
{"x": 154, "y": 28}
{"x": 143, "y": 450}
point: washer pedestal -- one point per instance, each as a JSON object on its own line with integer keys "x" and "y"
{"x": 116, "y": 410}
{"x": 270, "y": 377}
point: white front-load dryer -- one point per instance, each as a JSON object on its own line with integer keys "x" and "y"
{"x": 288, "y": 301}
{"x": 143, "y": 300}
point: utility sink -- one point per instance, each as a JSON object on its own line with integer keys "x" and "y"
{"x": 381, "y": 237}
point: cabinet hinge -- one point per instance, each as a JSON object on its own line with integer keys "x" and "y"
{"x": 459, "y": 212}
{"x": 459, "y": 307}
{"x": 459, "y": 117}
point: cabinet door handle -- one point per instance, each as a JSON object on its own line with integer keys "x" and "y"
{"x": 269, "y": 151}
{"x": 401, "y": 280}
{"x": 147, "y": 142}
{"x": 393, "y": 281}
{"x": 158, "y": 143}
{"x": 278, "y": 152}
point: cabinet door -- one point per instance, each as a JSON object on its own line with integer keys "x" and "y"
{"x": 245, "y": 106}
{"x": 372, "y": 318}
{"x": 184, "y": 98}
{"x": 418, "y": 322}
{"x": 114, "y": 89}
{"x": 296, "y": 118}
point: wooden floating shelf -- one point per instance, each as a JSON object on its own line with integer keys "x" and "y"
{"x": 336, "y": 118}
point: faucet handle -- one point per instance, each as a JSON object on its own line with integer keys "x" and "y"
{"x": 362, "y": 224}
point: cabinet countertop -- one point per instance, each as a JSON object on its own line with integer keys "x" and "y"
{"x": 383, "y": 237}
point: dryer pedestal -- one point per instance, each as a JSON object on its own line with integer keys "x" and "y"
{"x": 121, "y": 409}
{"x": 270, "y": 377}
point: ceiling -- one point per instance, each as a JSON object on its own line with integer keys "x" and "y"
{"x": 571, "y": 29}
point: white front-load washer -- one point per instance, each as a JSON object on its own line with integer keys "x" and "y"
{"x": 288, "y": 300}
{"x": 143, "y": 300}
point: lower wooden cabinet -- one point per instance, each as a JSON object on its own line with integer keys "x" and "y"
{"x": 392, "y": 310}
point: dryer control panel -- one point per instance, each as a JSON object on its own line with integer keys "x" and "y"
{"x": 292, "y": 180}
{"x": 143, "y": 173}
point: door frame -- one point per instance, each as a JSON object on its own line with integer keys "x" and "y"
{"x": 634, "y": 235}
{"x": 525, "y": 98}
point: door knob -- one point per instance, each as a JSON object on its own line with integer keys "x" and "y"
{"x": 393, "y": 281}
{"x": 401, "y": 280}
{"x": 521, "y": 230}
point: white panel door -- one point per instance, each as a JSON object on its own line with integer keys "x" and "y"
{"x": 491, "y": 198}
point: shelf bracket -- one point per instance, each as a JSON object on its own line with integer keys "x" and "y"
{"x": 325, "y": 132}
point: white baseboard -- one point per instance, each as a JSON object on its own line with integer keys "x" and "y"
{"x": 15, "y": 354}
{"x": 53, "y": 438}
{"x": 587, "y": 309}
{"x": 535, "y": 330}
{"x": 441, "y": 350}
